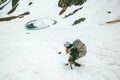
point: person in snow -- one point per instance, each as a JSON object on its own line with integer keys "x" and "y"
{"x": 76, "y": 50}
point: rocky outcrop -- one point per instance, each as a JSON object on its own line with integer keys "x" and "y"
{"x": 4, "y": 3}
{"x": 73, "y": 12}
{"x": 14, "y": 17}
{"x": 14, "y": 5}
{"x": 64, "y": 4}
{"x": 68, "y": 3}
{"x": 78, "y": 21}
{"x": 114, "y": 21}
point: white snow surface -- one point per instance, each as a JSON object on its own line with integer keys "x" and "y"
{"x": 33, "y": 55}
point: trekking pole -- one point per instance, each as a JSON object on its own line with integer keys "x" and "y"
{"x": 71, "y": 66}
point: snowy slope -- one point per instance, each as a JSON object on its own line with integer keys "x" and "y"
{"x": 97, "y": 11}
{"x": 34, "y": 56}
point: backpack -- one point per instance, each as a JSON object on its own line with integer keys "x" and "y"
{"x": 80, "y": 47}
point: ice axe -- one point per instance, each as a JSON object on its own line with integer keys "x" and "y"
{"x": 71, "y": 64}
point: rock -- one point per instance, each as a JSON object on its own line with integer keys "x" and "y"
{"x": 79, "y": 21}
{"x": 59, "y": 52}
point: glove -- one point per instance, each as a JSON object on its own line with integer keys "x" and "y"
{"x": 71, "y": 62}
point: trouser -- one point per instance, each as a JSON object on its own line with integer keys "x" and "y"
{"x": 73, "y": 57}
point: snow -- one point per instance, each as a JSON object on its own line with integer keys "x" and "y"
{"x": 34, "y": 56}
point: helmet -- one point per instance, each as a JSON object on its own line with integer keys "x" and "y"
{"x": 66, "y": 44}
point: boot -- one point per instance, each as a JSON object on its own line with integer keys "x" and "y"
{"x": 77, "y": 64}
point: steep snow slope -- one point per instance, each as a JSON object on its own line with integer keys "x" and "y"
{"x": 34, "y": 56}
{"x": 97, "y": 11}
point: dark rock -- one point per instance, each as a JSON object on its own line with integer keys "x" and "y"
{"x": 14, "y": 17}
{"x": 30, "y": 3}
{"x": 68, "y": 3}
{"x": 64, "y": 4}
{"x": 109, "y": 12}
{"x": 13, "y": 9}
{"x": 59, "y": 52}
{"x": 79, "y": 21}
{"x": 4, "y": 4}
{"x": 14, "y": 3}
{"x": 73, "y": 12}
